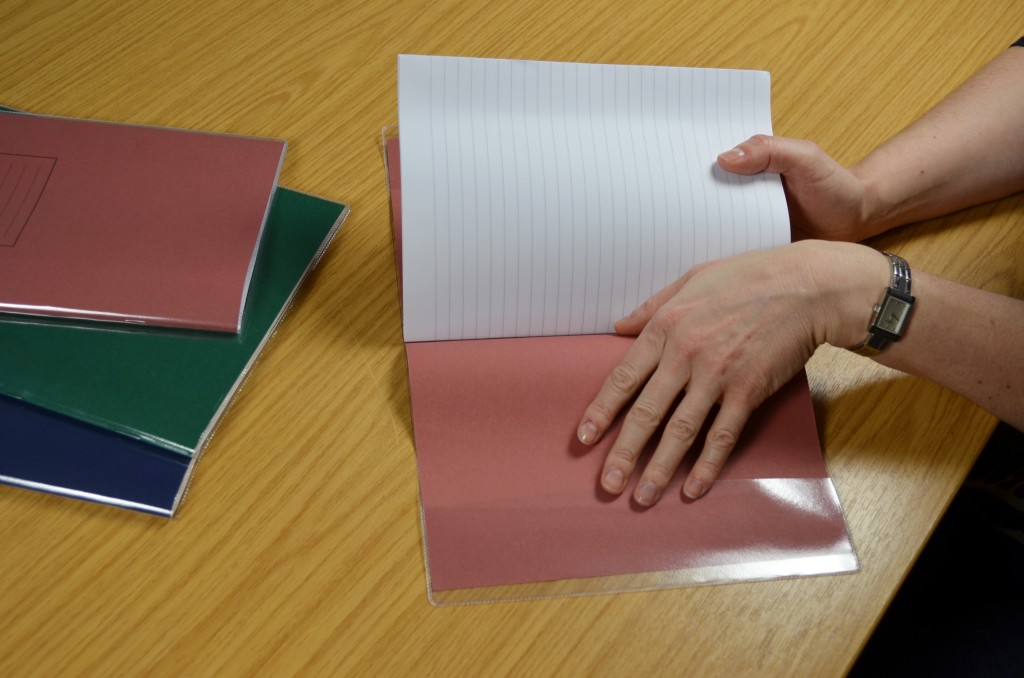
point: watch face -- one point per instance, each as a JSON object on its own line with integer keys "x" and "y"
{"x": 893, "y": 315}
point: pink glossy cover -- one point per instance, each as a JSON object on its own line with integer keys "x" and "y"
{"x": 509, "y": 497}
{"x": 130, "y": 223}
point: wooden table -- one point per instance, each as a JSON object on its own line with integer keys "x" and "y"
{"x": 298, "y": 549}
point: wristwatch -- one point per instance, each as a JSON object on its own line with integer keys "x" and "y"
{"x": 891, "y": 315}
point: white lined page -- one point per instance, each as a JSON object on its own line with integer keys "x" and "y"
{"x": 546, "y": 198}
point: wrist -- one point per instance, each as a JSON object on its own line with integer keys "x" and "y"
{"x": 878, "y": 213}
{"x": 847, "y": 278}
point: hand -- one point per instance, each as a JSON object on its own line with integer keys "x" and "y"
{"x": 826, "y": 200}
{"x": 730, "y": 332}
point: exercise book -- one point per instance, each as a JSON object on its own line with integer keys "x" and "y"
{"x": 130, "y": 223}
{"x": 534, "y": 204}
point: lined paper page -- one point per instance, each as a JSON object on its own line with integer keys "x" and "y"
{"x": 546, "y": 198}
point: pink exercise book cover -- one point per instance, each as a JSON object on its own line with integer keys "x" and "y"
{"x": 130, "y": 223}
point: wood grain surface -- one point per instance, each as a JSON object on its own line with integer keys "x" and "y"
{"x": 297, "y": 551}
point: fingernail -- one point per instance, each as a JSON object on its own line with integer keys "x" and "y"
{"x": 647, "y": 493}
{"x": 694, "y": 488}
{"x": 614, "y": 480}
{"x": 732, "y": 155}
{"x": 587, "y": 433}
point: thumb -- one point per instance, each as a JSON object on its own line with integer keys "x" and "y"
{"x": 635, "y": 322}
{"x": 798, "y": 159}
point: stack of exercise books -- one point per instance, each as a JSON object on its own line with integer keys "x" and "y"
{"x": 142, "y": 272}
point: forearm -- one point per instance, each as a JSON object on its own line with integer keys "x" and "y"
{"x": 968, "y": 340}
{"x": 965, "y": 339}
{"x": 967, "y": 150}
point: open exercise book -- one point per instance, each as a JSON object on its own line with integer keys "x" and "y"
{"x": 536, "y": 204}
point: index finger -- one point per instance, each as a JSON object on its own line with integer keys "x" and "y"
{"x": 621, "y": 385}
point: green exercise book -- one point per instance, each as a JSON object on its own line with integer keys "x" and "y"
{"x": 167, "y": 387}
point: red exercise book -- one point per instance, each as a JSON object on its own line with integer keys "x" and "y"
{"x": 129, "y": 223}
{"x": 510, "y": 500}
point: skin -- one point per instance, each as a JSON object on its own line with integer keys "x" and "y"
{"x": 735, "y": 330}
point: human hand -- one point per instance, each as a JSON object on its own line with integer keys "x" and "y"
{"x": 826, "y": 200}
{"x": 731, "y": 332}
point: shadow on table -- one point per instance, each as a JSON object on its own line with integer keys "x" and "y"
{"x": 960, "y": 611}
